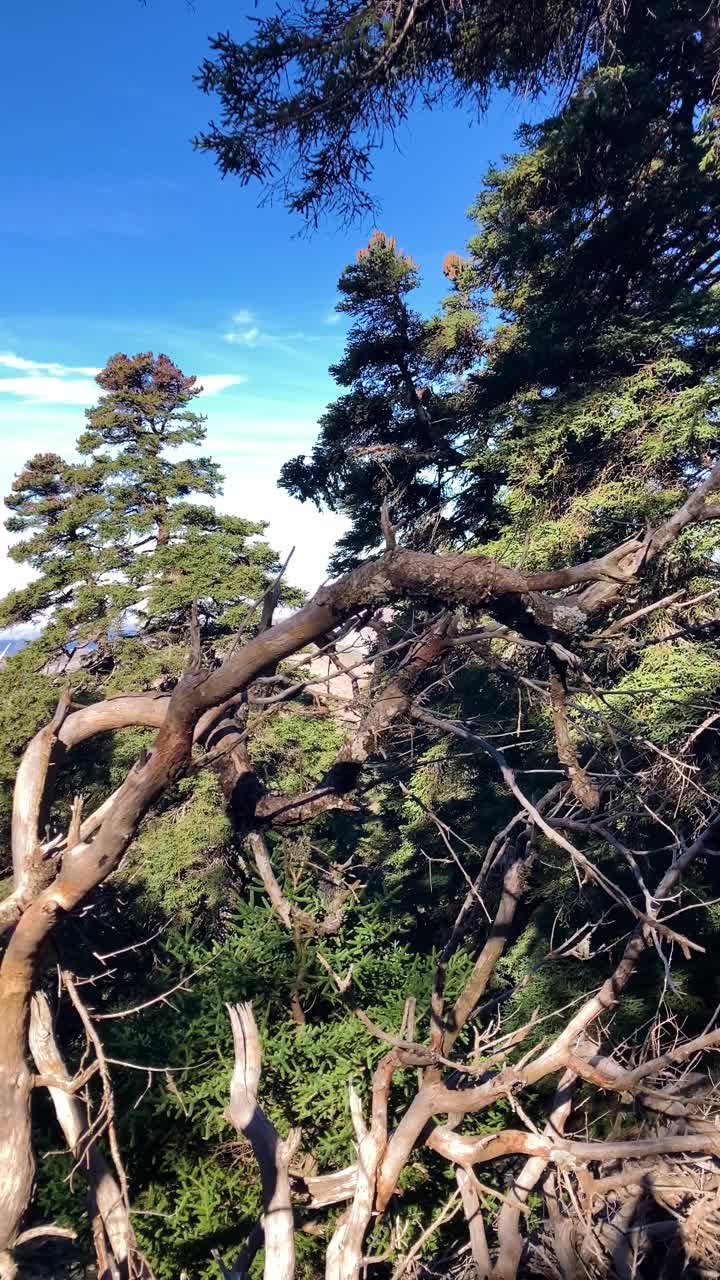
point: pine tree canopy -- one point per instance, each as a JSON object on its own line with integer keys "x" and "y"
{"x": 569, "y": 380}
{"x": 393, "y": 433}
{"x": 379, "y": 938}
{"x": 306, "y": 101}
{"x": 116, "y": 539}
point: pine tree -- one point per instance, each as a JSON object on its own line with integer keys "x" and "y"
{"x": 117, "y": 541}
{"x": 393, "y": 434}
{"x": 573, "y": 364}
{"x": 122, "y": 553}
{"x": 57, "y": 505}
{"x": 597, "y": 249}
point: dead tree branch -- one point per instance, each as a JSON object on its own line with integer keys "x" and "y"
{"x": 475, "y": 582}
{"x": 110, "y": 1221}
{"x": 273, "y": 1154}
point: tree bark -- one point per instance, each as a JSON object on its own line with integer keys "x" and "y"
{"x": 474, "y": 581}
{"x": 108, "y": 1214}
{"x": 345, "y": 1251}
{"x": 272, "y": 1153}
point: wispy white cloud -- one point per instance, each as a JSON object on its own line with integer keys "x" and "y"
{"x": 332, "y": 317}
{"x": 48, "y": 382}
{"x": 245, "y": 337}
{"x": 38, "y": 388}
{"x": 243, "y": 332}
{"x": 8, "y": 360}
{"x": 213, "y": 383}
{"x": 246, "y": 332}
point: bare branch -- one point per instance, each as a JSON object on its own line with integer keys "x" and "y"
{"x": 107, "y": 1211}
{"x": 578, "y": 857}
{"x": 476, "y": 582}
{"x": 452, "y": 1206}
{"x": 586, "y": 792}
{"x": 272, "y": 1153}
{"x": 345, "y": 1251}
{"x": 386, "y": 527}
{"x": 286, "y": 911}
{"x": 467, "y": 1186}
{"x": 445, "y": 1032}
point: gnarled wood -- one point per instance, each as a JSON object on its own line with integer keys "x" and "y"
{"x": 345, "y": 1251}
{"x": 474, "y": 581}
{"x": 272, "y": 1153}
{"x": 108, "y": 1215}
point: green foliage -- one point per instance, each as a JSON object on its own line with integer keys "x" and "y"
{"x": 564, "y": 398}
{"x": 139, "y": 665}
{"x": 178, "y": 865}
{"x": 308, "y": 98}
{"x": 294, "y": 749}
{"x": 27, "y": 701}
{"x": 668, "y": 691}
{"x": 184, "y": 1161}
{"x": 566, "y": 393}
{"x": 595, "y": 247}
{"x": 116, "y": 540}
{"x": 391, "y": 435}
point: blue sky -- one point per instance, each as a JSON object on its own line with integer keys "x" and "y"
{"x": 116, "y": 235}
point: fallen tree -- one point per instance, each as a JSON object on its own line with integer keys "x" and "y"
{"x": 203, "y": 722}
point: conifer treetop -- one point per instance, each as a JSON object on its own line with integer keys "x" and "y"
{"x": 118, "y": 538}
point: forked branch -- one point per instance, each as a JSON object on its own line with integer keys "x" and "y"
{"x": 273, "y": 1154}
